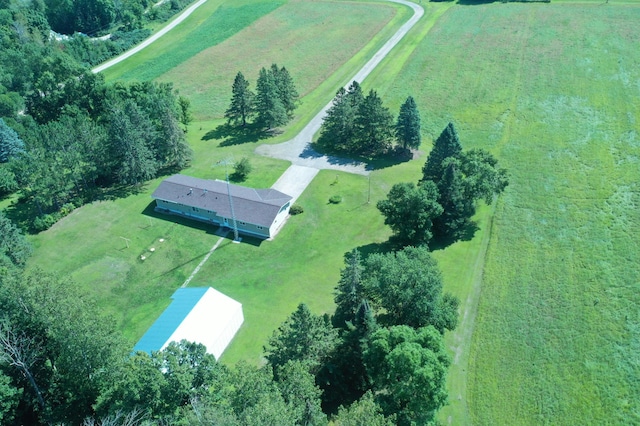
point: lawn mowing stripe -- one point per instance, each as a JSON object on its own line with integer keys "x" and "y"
{"x": 203, "y": 261}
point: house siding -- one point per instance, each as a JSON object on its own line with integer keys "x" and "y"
{"x": 189, "y": 212}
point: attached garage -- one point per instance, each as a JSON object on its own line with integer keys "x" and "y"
{"x": 202, "y": 315}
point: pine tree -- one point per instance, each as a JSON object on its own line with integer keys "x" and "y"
{"x": 286, "y": 89}
{"x": 374, "y": 126}
{"x": 408, "y": 125}
{"x": 336, "y": 132}
{"x": 447, "y": 145}
{"x": 10, "y": 144}
{"x": 349, "y": 294}
{"x": 269, "y": 107}
{"x": 458, "y": 206}
{"x": 242, "y": 102}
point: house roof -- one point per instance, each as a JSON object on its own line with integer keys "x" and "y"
{"x": 184, "y": 299}
{"x": 198, "y": 314}
{"x": 256, "y": 206}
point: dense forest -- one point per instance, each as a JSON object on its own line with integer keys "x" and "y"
{"x": 67, "y": 138}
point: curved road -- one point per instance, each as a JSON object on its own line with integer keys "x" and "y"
{"x": 305, "y": 161}
{"x": 150, "y": 40}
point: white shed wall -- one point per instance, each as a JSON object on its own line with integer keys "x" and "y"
{"x": 213, "y": 321}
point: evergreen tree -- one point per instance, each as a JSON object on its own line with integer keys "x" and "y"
{"x": 10, "y": 143}
{"x": 286, "y": 89}
{"x": 355, "y": 95}
{"x": 336, "y": 132}
{"x": 128, "y": 132}
{"x": 408, "y": 125}
{"x": 242, "y": 102}
{"x": 457, "y": 206}
{"x": 447, "y": 145}
{"x": 269, "y": 107}
{"x": 374, "y": 126}
{"x": 349, "y": 294}
{"x": 172, "y": 149}
{"x": 302, "y": 337}
{"x": 473, "y": 176}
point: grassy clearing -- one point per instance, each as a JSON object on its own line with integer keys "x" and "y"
{"x": 303, "y": 263}
{"x": 136, "y": 291}
{"x": 552, "y": 90}
{"x": 312, "y": 39}
{"x": 210, "y": 24}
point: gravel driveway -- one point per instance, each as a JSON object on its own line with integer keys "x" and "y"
{"x": 299, "y": 151}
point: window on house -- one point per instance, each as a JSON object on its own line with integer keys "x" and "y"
{"x": 286, "y": 206}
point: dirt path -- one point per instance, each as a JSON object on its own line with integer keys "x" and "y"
{"x": 150, "y": 40}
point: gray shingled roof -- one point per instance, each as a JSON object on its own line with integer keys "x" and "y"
{"x": 256, "y": 206}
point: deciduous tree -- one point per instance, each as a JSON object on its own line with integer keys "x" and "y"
{"x": 407, "y": 290}
{"x": 410, "y": 210}
{"x": 365, "y": 411}
{"x": 408, "y": 368}
{"x": 14, "y": 247}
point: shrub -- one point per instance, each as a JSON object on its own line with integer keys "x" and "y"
{"x": 296, "y": 209}
{"x": 241, "y": 170}
{"x": 336, "y": 199}
{"x": 42, "y": 223}
{"x": 8, "y": 184}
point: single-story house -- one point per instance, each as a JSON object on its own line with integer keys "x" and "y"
{"x": 258, "y": 212}
{"x": 202, "y": 315}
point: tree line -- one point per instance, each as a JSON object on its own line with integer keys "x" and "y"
{"x": 66, "y": 137}
{"x": 356, "y": 124}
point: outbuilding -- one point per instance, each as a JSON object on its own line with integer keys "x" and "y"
{"x": 200, "y": 314}
{"x": 257, "y": 212}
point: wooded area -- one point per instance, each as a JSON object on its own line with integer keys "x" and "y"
{"x": 67, "y": 138}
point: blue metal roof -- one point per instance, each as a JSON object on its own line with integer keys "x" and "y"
{"x": 184, "y": 300}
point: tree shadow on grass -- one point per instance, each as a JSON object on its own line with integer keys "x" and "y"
{"x": 391, "y": 158}
{"x": 118, "y": 191}
{"x": 374, "y": 248}
{"x": 22, "y": 214}
{"x": 237, "y": 135}
{"x": 441, "y": 242}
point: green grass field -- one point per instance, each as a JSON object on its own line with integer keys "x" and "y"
{"x": 137, "y": 291}
{"x": 552, "y": 90}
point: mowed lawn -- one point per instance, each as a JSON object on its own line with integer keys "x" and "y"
{"x": 314, "y": 40}
{"x": 553, "y": 91}
{"x": 90, "y": 245}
